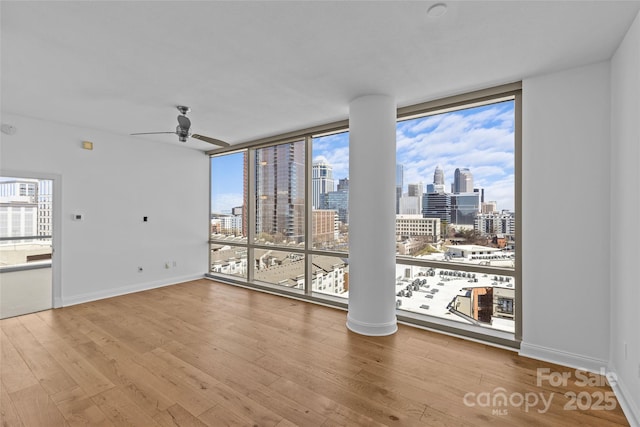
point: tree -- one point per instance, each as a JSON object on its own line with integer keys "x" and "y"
{"x": 470, "y": 235}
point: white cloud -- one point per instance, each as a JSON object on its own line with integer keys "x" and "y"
{"x": 479, "y": 139}
{"x": 482, "y": 141}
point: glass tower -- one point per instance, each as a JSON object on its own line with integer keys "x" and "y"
{"x": 280, "y": 192}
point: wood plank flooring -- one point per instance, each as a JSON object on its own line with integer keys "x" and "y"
{"x": 203, "y": 353}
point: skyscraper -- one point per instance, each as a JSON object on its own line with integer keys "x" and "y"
{"x": 438, "y": 205}
{"x": 338, "y": 200}
{"x": 245, "y": 194}
{"x": 415, "y": 190}
{"x": 411, "y": 203}
{"x": 343, "y": 184}
{"x": 464, "y": 208}
{"x": 280, "y": 191}
{"x": 19, "y": 209}
{"x": 438, "y": 180}
{"x": 462, "y": 181}
{"x": 321, "y": 181}
{"x": 45, "y": 207}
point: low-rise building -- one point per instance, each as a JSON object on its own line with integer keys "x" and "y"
{"x": 416, "y": 225}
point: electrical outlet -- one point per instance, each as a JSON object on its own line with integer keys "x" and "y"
{"x": 166, "y": 265}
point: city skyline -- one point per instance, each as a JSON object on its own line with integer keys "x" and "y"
{"x": 480, "y": 139}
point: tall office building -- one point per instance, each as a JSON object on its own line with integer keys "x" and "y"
{"x": 245, "y": 194}
{"x": 465, "y": 208}
{"x": 19, "y": 190}
{"x": 343, "y": 184}
{"x": 18, "y": 220}
{"x": 28, "y": 200}
{"x": 45, "y": 206}
{"x": 399, "y": 185}
{"x": 462, "y": 181}
{"x": 321, "y": 182}
{"x": 280, "y": 191}
{"x": 338, "y": 201}
{"x": 438, "y": 181}
{"x": 410, "y": 205}
{"x": 415, "y": 190}
{"x": 438, "y": 176}
{"x": 437, "y": 205}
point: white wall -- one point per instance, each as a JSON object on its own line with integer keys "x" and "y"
{"x": 117, "y": 183}
{"x": 625, "y": 216}
{"x": 565, "y": 248}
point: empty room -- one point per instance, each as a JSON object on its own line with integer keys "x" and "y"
{"x": 319, "y": 213}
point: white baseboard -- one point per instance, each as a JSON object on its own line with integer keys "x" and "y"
{"x": 627, "y": 402}
{"x": 589, "y": 364}
{"x": 563, "y": 358}
{"x": 138, "y": 287}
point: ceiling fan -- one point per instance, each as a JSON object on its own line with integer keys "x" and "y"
{"x": 182, "y": 130}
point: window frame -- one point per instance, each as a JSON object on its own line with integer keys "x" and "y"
{"x": 478, "y": 98}
{"x": 512, "y": 91}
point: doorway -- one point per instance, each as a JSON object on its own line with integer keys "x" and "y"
{"x": 26, "y": 244}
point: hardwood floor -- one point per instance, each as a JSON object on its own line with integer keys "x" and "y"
{"x": 203, "y": 353}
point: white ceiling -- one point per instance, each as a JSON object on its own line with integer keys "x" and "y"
{"x": 254, "y": 69}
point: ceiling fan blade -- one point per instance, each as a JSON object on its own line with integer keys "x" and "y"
{"x": 210, "y": 140}
{"x": 150, "y": 133}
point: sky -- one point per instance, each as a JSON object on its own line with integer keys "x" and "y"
{"x": 480, "y": 139}
{"x": 226, "y": 182}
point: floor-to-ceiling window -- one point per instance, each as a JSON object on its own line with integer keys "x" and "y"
{"x": 228, "y": 219}
{"x": 456, "y": 216}
{"x": 330, "y": 214}
{"x": 280, "y": 217}
{"x": 279, "y": 195}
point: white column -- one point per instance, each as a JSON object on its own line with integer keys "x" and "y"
{"x": 372, "y": 266}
